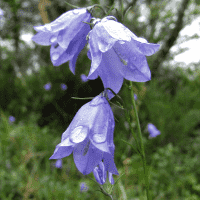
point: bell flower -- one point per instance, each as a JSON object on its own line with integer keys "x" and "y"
{"x": 153, "y": 131}
{"x": 66, "y": 35}
{"x": 90, "y": 137}
{"x": 117, "y": 53}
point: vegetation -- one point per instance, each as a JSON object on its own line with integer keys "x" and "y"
{"x": 171, "y": 101}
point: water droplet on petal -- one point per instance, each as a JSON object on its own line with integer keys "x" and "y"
{"x": 75, "y": 11}
{"x": 48, "y": 27}
{"x": 99, "y": 138}
{"x": 78, "y": 134}
{"x": 53, "y": 39}
{"x": 143, "y": 40}
{"x": 55, "y": 56}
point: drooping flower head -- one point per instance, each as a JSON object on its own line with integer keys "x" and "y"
{"x": 153, "y": 131}
{"x": 117, "y": 53}
{"x": 66, "y": 35}
{"x": 90, "y": 137}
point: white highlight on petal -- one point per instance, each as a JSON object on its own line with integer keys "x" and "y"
{"x": 121, "y": 42}
{"x": 75, "y": 11}
{"x": 53, "y": 39}
{"x": 99, "y": 138}
{"x": 55, "y": 56}
{"x": 78, "y": 134}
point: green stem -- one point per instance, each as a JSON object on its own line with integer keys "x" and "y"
{"x": 141, "y": 143}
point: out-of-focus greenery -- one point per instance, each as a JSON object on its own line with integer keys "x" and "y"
{"x": 171, "y": 101}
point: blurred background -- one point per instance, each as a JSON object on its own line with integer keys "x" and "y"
{"x": 36, "y": 105}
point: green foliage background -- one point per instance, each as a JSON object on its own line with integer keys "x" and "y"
{"x": 171, "y": 101}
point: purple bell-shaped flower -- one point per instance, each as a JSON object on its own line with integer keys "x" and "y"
{"x": 117, "y": 53}
{"x": 66, "y": 35}
{"x": 90, "y": 137}
{"x": 153, "y": 131}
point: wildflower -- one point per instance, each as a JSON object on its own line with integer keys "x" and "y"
{"x": 63, "y": 86}
{"x": 100, "y": 174}
{"x": 47, "y": 86}
{"x": 117, "y": 53}
{"x": 83, "y": 187}
{"x": 58, "y": 164}
{"x": 135, "y": 97}
{"x": 66, "y": 35}
{"x": 90, "y": 137}
{"x": 153, "y": 131}
{"x": 11, "y": 119}
{"x": 84, "y": 78}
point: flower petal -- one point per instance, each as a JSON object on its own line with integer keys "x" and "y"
{"x": 59, "y": 55}
{"x": 135, "y": 66}
{"x": 109, "y": 163}
{"x": 99, "y": 131}
{"x": 62, "y": 151}
{"x": 66, "y": 35}
{"x": 104, "y": 40}
{"x": 86, "y": 162}
{"x": 100, "y": 173}
{"x": 117, "y": 30}
{"x": 147, "y": 49}
{"x": 109, "y": 73}
{"x": 65, "y": 20}
{"x": 43, "y": 38}
{"x": 96, "y": 54}
{"x": 110, "y": 177}
{"x": 76, "y": 46}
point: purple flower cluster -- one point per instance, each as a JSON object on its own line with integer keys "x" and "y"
{"x": 116, "y": 54}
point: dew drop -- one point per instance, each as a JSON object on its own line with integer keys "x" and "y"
{"x": 75, "y": 11}
{"x": 48, "y": 27}
{"x": 53, "y": 39}
{"x": 99, "y": 138}
{"x": 78, "y": 134}
{"x": 55, "y": 56}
